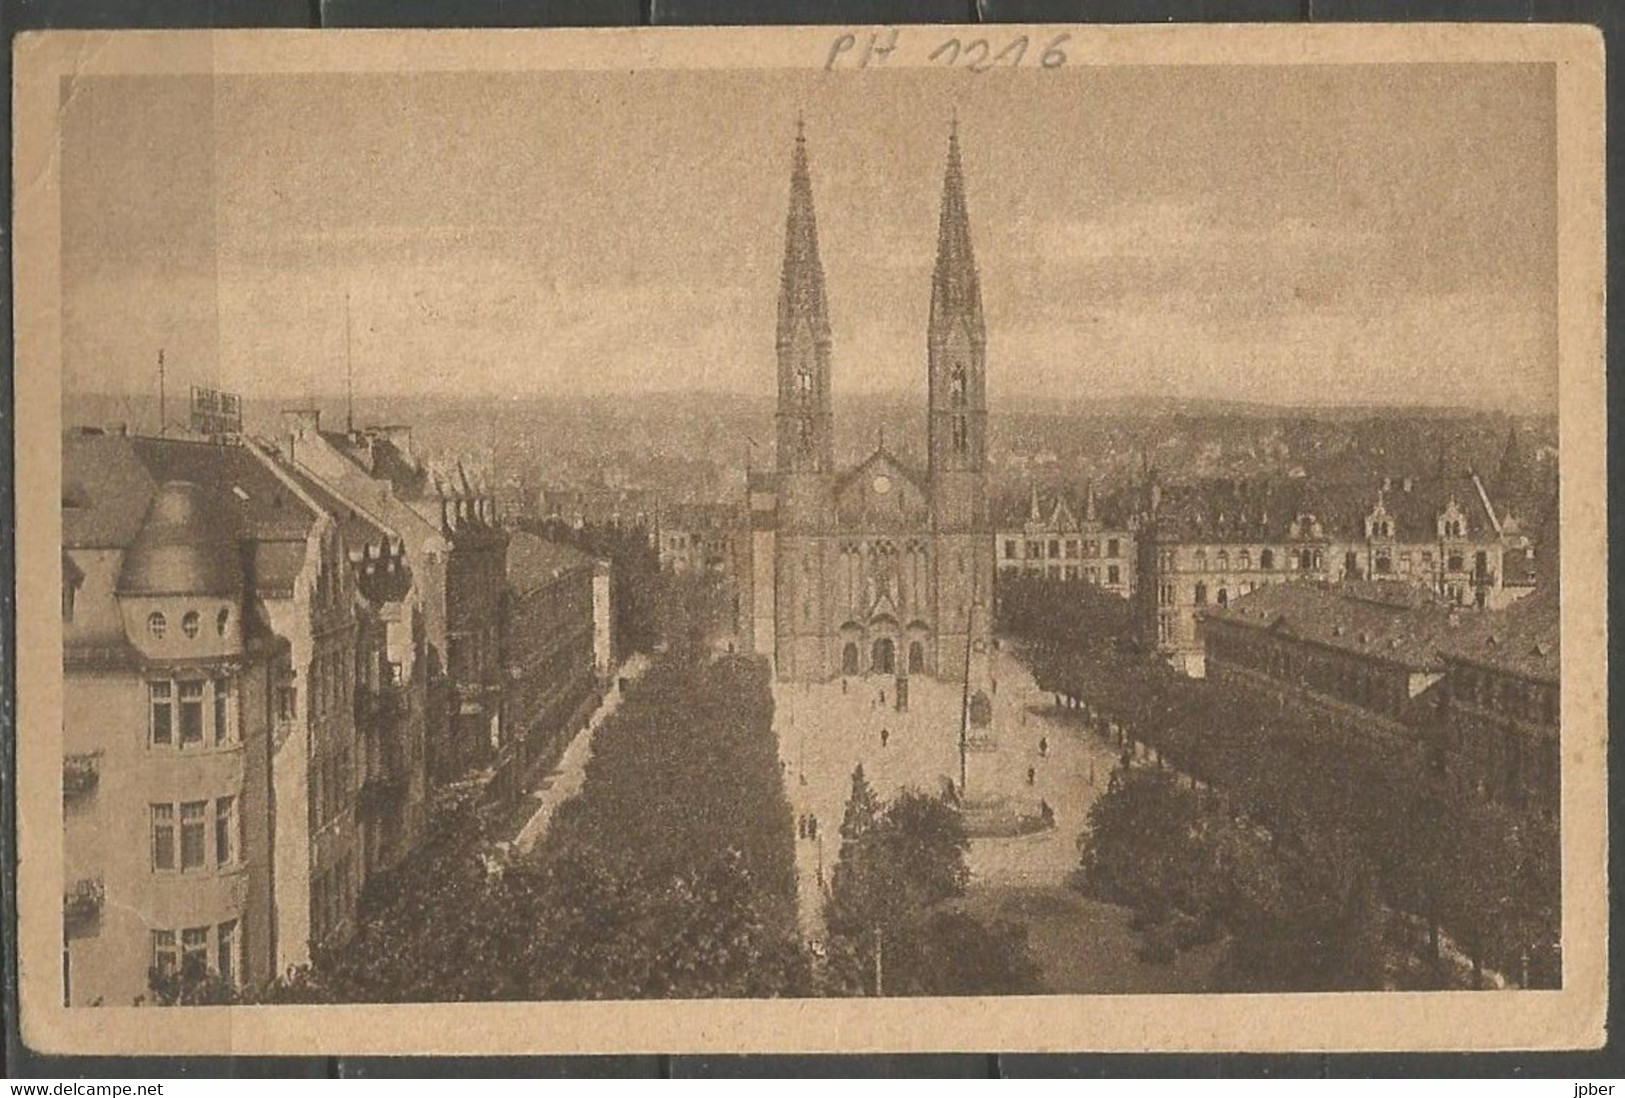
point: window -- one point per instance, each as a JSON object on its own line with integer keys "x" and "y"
{"x": 157, "y": 626}
{"x": 1201, "y": 594}
{"x": 163, "y": 837}
{"x": 192, "y": 838}
{"x": 164, "y": 957}
{"x": 226, "y": 957}
{"x": 222, "y": 710}
{"x": 221, "y": 621}
{"x": 956, "y": 386}
{"x": 1455, "y": 563}
{"x": 961, "y": 440}
{"x": 1245, "y": 560}
{"x": 1034, "y": 550}
{"x": 804, "y": 383}
{"x": 1009, "y": 549}
{"x": 1071, "y": 572}
{"x": 225, "y": 831}
{"x": 1383, "y": 564}
{"x": 1113, "y": 575}
{"x": 1224, "y": 597}
{"x": 1224, "y": 560}
{"x": 161, "y": 713}
{"x": 1113, "y": 547}
{"x": 195, "y": 950}
{"x": 1266, "y": 560}
{"x": 68, "y": 590}
{"x": 191, "y": 712}
{"x": 1071, "y": 547}
{"x": 1054, "y": 548}
{"x": 189, "y": 624}
{"x": 287, "y": 703}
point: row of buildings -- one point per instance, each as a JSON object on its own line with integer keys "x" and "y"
{"x": 1481, "y": 687}
{"x": 1179, "y": 550}
{"x": 274, "y": 651}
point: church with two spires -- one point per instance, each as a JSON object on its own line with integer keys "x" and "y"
{"x": 882, "y": 568}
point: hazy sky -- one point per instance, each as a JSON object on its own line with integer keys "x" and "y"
{"x": 1377, "y": 233}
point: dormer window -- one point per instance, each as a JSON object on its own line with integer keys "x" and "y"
{"x": 956, "y": 386}
{"x": 221, "y": 621}
{"x": 804, "y": 384}
{"x": 189, "y": 624}
{"x": 157, "y": 626}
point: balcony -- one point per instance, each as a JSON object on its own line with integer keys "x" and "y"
{"x": 81, "y": 773}
{"x": 82, "y": 902}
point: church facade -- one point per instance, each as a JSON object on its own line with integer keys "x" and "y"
{"x": 880, "y": 568}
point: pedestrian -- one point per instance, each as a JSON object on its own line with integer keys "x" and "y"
{"x": 885, "y": 735}
{"x": 843, "y": 686}
{"x": 812, "y": 827}
{"x": 882, "y": 697}
{"x": 1043, "y": 747}
{"x": 1032, "y": 774}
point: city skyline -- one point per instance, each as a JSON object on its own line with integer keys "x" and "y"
{"x": 1410, "y": 220}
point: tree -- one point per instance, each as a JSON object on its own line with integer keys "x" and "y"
{"x": 889, "y": 930}
{"x": 862, "y": 808}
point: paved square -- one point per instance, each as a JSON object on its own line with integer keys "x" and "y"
{"x": 825, "y": 730}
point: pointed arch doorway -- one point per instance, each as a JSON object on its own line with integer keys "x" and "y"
{"x": 883, "y": 657}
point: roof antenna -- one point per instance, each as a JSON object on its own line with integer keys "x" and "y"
{"x": 163, "y": 403}
{"x": 349, "y": 372}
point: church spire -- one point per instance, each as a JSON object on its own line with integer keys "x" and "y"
{"x": 801, "y": 286}
{"x": 956, "y": 292}
{"x": 806, "y": 431}
{"x": 956, "y": 349}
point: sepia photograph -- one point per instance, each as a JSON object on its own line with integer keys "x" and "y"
{"x": 896, "y": 538}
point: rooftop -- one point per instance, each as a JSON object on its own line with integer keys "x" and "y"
{"x": 109, "y": 480}
{"x": 1376, "y": 621}
{"x": 1523, "y": 639}
{"x": 113, "y": 487}
{"x": 1265, "y": 510}
{"x": 534, "y": 562}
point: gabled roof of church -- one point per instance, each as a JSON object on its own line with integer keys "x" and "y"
{"x": 880, "y": 454}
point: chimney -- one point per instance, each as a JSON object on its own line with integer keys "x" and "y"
{"x": 400, "y": 437}
{"x": 118, "y": 428}
{"x": 301, "y": 420}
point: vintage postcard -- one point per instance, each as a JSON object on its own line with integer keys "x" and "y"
{"x": 893, "y": 538}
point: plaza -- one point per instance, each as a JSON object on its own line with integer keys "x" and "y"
{"x": 825, "y": 730}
